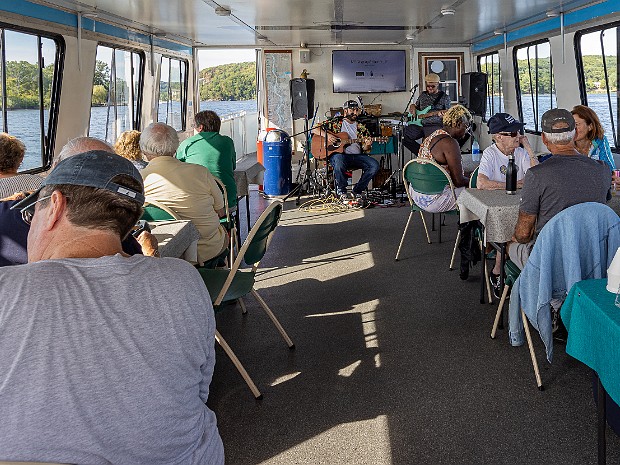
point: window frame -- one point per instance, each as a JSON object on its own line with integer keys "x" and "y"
{"x": 515, "y": 61}
{"x": 48, "y": 139}
{"x": 490, "y": 84}
{"x": 137, "y": 117}
{"x": 184, "y": 89}
{"x": 583, "y": 92}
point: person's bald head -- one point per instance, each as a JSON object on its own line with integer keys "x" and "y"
{"x": 81, "y": 145}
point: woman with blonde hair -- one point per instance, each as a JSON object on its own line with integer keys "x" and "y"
{"x": 12, "y": 152}
{"x": 128, "y": 146}
{"x": 590, "y": 137}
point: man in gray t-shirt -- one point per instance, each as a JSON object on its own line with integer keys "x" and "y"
{"x": 105, "y": 358}
{"x": 567, "y": 178}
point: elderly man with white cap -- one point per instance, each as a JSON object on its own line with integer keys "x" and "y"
{"x": 430, "y": 107}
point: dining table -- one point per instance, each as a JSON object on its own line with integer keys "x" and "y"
{"x": 498, "y": 212}
{"x": 592, "y": 320}
{"x": 248, "y": 171}
{"x": 176, "y": 239}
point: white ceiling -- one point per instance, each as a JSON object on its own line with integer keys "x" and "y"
{"x": 289, "y": 23}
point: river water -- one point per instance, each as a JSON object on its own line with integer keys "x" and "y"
{"x": 21, "y": 122}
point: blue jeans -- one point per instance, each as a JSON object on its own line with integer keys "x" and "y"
{"x": 343, "y": 162}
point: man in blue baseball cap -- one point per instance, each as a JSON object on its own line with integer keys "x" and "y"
{"x": 118, "y": 349}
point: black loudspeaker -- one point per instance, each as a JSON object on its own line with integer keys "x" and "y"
{"x": 302, "y": 98}
{"x": 371, "y": 123}
{"x": 474, "y": 86}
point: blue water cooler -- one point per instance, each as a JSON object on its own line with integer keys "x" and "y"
{"x": 277, "y": 161}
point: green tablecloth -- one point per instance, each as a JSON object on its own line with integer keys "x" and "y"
{"x": 593, "y": 322}
{"x": 380, "y": 148}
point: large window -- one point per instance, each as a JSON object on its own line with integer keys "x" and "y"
{"x": 172, "y": 105}
{"x": 490, "y": 65}
{"x": 117, "y": 92}
{"x": 535, "y": 86}
{"x": 30, "y": 76}
{"x": 597, "y": 60}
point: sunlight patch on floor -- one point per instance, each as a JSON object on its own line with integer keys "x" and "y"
{"x": 367, "y": 443}
{"x": 324, "y": 267}
{"x": 297, "y": 217}
{"x": 349, "y": 370}
{"x": 285, "y": 378}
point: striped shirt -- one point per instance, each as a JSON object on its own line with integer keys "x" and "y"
{"x": 19, "y": 183}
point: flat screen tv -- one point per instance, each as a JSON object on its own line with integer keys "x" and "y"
{"x": 357, "y": 71}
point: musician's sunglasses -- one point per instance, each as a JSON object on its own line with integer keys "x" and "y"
{"x": 509, "y": 134}
{"x": 432, "y": 86}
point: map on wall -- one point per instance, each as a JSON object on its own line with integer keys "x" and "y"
{"x": 278, "y": 71}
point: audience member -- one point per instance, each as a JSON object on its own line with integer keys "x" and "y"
{"x": 505, "y": 131}
{"x": 14, "y": 251}
{"x": 442, "y": 146}
{"x": 12, "y": 152}
{"x": 207, "y": 147}
{"x": 189, "y": 190}
{"x": 115, "y": 372}
{"x": 128, "y": 146}
{"x": 565, "y": 179}
{"x": 590, "y": 137}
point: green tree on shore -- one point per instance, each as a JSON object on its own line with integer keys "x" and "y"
{"x": 233, "y": 81}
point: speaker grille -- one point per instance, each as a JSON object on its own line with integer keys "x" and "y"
{"x": 474, "y": 86}
{"x": 302, "y": 97}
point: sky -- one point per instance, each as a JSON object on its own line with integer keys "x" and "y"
{"x": 215, "y": 57}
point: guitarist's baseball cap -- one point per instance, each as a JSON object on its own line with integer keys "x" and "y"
{"x": 431, "y": 77}
{"x": 350, "y": 104}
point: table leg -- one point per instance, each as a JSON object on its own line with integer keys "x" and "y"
{"x": 502, "y": 262}
{"x": 601, "y": 415}
{"x": 247, "y": 209}
{"x": 483, "y": 275}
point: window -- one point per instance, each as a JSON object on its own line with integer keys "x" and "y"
{"x": 30, "y": 76}
{"x": 448, "y": 66}
{"x": 597, "y": 60}
{"x": 535, "y": 86}
{"x": 490, "y": 65}
{"x": 172, "y": 105}
{"x": 117, "y": 92}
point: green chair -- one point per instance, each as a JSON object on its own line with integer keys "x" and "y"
{"x": 155, "y": 211}
{"x": 427, "y": 177}
{"x": 473, "y": 180}
{"x": 231, "y": 285}
{"x": 512, "y": 273}
{"x": 228, "y": 222}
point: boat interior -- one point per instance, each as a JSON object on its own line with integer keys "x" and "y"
{"x": 393, "y": 363}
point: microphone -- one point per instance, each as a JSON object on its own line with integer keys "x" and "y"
{"x": 414, "y": 88}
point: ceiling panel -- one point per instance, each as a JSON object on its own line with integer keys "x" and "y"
{"x": 326, "y": 22}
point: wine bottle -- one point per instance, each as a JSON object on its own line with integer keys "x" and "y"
{"x": 511, "y": 176}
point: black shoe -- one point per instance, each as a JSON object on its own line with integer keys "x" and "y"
{"x": 560, "y": 334}
{"x": 464, "y": 271}
{"x": 494, "y": 281}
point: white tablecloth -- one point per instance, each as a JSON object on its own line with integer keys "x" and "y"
{"x": 177, "y": 239}
{"x": 495, "y": 209}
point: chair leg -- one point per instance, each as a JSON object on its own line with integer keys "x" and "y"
{"x": 440, "y": 224}
{"x": 428, "y": 238}
{"x": 528, "y": 336}
{"x": 487, "y": 283}
{"x": 456, "y": 245}
{"x": 244, "y": 374}
{"x": 402, "y": 239}
{"x": 244, "y": 310}
{"x": 500, "y": 309}
{"x": 273, "y": 319}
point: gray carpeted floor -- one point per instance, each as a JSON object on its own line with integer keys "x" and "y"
{"x": 393, "y": 361}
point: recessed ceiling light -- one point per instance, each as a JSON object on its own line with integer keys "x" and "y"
{"x": 447, "y": 12}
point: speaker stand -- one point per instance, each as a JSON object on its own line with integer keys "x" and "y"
{"x": 308, "y": 183}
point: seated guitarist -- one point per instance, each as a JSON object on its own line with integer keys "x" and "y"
{"x": 352, "y": 157}
{"x": 439, "y": 102}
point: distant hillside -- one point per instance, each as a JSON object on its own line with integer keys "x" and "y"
{"x": 234, "y": 81}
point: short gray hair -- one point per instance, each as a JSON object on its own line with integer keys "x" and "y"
{"x": 560, "y": 138}
{"x": 159, "y": 140}
{"x": 81, "y": 145}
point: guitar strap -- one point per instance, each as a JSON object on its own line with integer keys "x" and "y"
{"x": 440, "y": 94}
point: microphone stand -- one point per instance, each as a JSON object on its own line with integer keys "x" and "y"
{"x": 401, "y": 133}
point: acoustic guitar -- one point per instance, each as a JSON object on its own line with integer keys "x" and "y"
{"x": 421, "y": 114}
{"x": 318, "y": 144}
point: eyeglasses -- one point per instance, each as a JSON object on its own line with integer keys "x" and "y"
{"x": 509, "y": 134}
{"x": 432, "y": 86}
{"x": 28, "y": 212}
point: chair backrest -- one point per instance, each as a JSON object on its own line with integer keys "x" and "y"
{"x": 154, "y": 211}
{"x": 426, "y": 176}
{"x": 222, "y": 187}
{"x": 473, "y": 180}
{"x": 258, "y": 239}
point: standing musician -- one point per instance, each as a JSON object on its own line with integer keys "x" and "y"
{"x": 439, "y": 102}
{"x": 351, "y": 157}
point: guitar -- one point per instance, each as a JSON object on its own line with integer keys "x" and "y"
{"x": 318, "y": 144}
{"x": 421, "y": 114}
